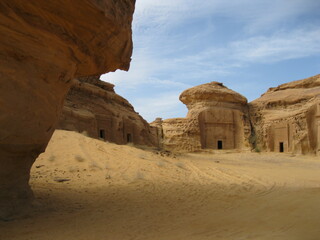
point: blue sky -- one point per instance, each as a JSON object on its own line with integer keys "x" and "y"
{"x": 249, "y": 45}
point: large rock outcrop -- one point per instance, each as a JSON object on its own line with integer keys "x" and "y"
{"x": 43, "y": 46}
{"x": 284, "y": 119}
{"x": 287, "y": 118}
{"x": 92, "y": 106}
{"x": 217, "y": 119}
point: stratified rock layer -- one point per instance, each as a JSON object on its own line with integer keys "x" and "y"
{"x": 93, "y": 107}
{"x": 217, "y": 119}
{"x": 287, "y": 118}
{"x": 43, "y": 46}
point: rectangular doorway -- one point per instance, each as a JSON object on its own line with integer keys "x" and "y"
{"x": 219, "y": 144}
{"x": 281, "y": 147}
{"x": 129, "y": 138}
{"x": 102, "y": 134}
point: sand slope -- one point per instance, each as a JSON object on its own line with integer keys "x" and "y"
{"x": 88, "y": 189}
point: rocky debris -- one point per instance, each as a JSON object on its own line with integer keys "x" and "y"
{"x": 44, "y": 45}
{"x": 92, "y": 106}
{"x": 165, "y": 153}
{"x": 287, "y": 118}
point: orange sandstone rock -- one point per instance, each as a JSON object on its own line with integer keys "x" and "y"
{"x": 284, "y": 119}
{"x": 43, "y": 46}
{"x": 217, "y": 119}
{"x": 92, "y": 106}
{"x": 287, "y": 118}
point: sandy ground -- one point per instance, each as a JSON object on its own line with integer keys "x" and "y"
{"x": 87, "y": 189}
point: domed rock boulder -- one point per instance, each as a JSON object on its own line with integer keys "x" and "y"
{"x": 217, "y": 119}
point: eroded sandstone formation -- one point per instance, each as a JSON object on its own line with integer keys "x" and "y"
{"x": 284, "y": 119}
{"x": 287, "y": 118}
{"x": 217, "y": 119}
{"x": 43, "y": 46}
{"x": 92, "y": 106}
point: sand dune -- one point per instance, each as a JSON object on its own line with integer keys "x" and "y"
{"x": 89, "y": 189}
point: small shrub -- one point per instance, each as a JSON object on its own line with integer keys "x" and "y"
{"x": 180, "y": 165}
{"x": 139, "y": 176}
{"x": 257, "y": 149}
{"x": 160, "y": 164}
{"x": 51, "y": 158}
{"x": 94, "y": 165}
{"x": 108, "y": 176}
{"x": 79, "y": 158}
{"x": 142, "y": 156}
{"x": 73, "y": 169}
{"x": 253, "y": 140}
{"x": 106, "y": 166}
{"x": 85, "y": 133}
{"x": 131, "y": 144}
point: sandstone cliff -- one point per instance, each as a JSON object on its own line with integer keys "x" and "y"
{"x": 43, "y": 46}
{"x": 287, "y": 118}
{"x": 284, "y": 119}
{"x": 217, "y": 119}
{"x": 92, "y": 106}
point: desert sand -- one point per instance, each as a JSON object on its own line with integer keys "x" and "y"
{"x": 89, "y": 189}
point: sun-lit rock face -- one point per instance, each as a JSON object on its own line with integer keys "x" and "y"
{"x": 284, "y": 119}
{"x": 287, "y": 118}
{"x": 43, "y": 46}
{"x": 211, "y": 94}
{"x": 217, "y": 119}
{"x": 92, "y": 106}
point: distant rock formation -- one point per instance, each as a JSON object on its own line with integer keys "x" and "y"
{"x": 287, "y": 118}
{"x": 217, "y": 119}
{"x": 284, "y": 119}
{"x": 93, "y": 107}
{"x": 44, "y": 45}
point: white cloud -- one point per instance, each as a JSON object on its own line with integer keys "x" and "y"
{"x": 264, "y": 49}
{"x": 157, "y": 50}
{"x": 164, "y": 105}
{"x": 281, "y": 46}
{"x": 256, "y": 14}
{"x": 177, "y": 45}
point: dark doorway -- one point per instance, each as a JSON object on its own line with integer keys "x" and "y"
{"x": 219, "y": 144}
{"x": 129, "y": 138}
{"x": 281, "y": 147}
{"x": 102, "y": 134}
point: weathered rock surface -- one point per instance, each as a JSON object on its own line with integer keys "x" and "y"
{"x": 217, "y": 119}
{"x": 92, "y": 106}
{"x": 211, "y": 94}
{"x": 284, "y": 119}
{"x": 287, "y": 118}
{"x": 43, "y": 46}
